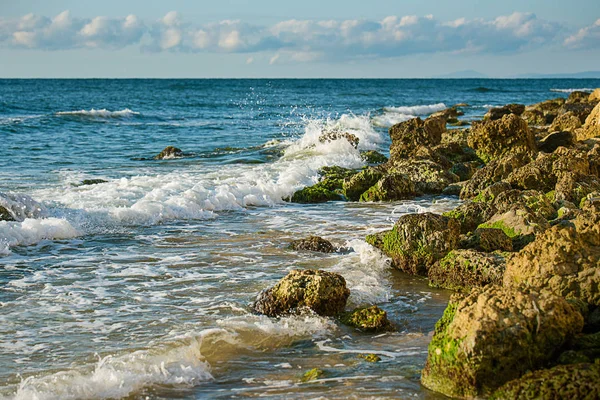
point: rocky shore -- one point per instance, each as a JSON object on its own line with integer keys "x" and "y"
{"x": 522, "y": 252}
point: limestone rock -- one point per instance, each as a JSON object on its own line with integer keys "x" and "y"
{"x": 566, "y": 122}
{"x": 555, "y": 140}
{"x": 498, "y": 112}
{"x": 594, "y": 96}
{"x": 591, "y": 128}
{"x": 417, "y": 241}
{"x": 410, "y": 135}
{"x": 391, "y": 187}
{"x": 471, "y": 214}
{"x": 313, "y": 243}
{"x": 578, "y": 97}
{"x": 325, "y": 293}
{"x": 493, "y": 336}
{"x": 373, "y": 157}
{"x": 427, "y": 176}
{"x": 489, "y": 239}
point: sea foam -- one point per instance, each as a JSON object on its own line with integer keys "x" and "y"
{"x": 572, "y": 90}
{"x": 103, "y": 113}
{"x": 395, "y": 115}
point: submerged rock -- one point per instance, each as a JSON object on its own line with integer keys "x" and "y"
{"x": 417, "y": 241}
{"x": 169, "y": 152}
{"x": 368, "y": 319}
{"x": 373, "y": 358}
{"x": 87, "y": 182}
{"x": 462, "y": 270}
{"x": 313, "y": 243}
{"x": 493, "y": 336}
{"x": 565, "y": 259}
{"x": 325, "y": 293}
{"x": 494, "y": 139}
{"x": 573, "y": 382}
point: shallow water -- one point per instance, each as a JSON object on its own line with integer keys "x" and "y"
{"x": 140, "y": 287}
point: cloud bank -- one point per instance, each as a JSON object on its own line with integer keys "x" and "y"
{"x": 298, "y": 40}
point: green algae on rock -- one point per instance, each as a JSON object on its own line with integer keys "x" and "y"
{"x": 356, "y": 185}
{"x": 471, "y": 214}
{"x": 409, "y": 135}
{"x": 312, "y": 375}
{"x": 391, "y": 187}
{"x": 325, "y": 293}
{"x": 573, "y": 382}
{"x": 462, "y": 270}
{"x": 313, "y": 243}
{"x": 318, "y": 193}
{"x": 373, "y": 157}
{"x": 417, "y": 241}
{"x": 368, "y": 319}
{"x": 372, "y": 358}
{"x": 495, "y": 335}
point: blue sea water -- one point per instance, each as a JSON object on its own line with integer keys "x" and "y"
{"x": 140, "y": 286}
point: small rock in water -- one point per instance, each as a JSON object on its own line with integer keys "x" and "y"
{"x": 373, "y": 358}
{"x": 325, "y": 293}
{"x": 370, "y": 319}
{"x": 5, "y": 215}
{"x": 87, "y": 182}
{"x": 312, "y": 375}
{"x": 313, "y": 243}
{"x": 169, "y": 152}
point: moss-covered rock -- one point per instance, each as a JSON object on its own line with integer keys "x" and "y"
{"x": 462, "y": 270}
{"x": 169, "y": 152}
{"x": 488, "y": 240}
{"x": 494, "y": 139}
{"x": 573, "y": 382}
{"x": 493, "y": 172}
{"x": 465, "y": 170}
{"x": 428, "y": 177}
{"x": 332, "y": 178}
{"x": 318, "y": 193}
{"x": 532, "y": 200}
{"x": 372, "y": 358}
{"x": 410, "y": 135}
{"x": 565, "y": 259}
{"x": 312, "y": 375}
{"x": 543, "y": 113}
{"x": 417, "y": 241}
{"x": 313, "y": 243}
{"x": 391, "y": 187}
{"x": 493, "y": 336}
{"x": 373, "y": 157}
{"x": 325, "y": 293}
{"x": 356, "y": 185}
{"x": 519, "y": 224}
{"x": 471, "y": 214}
{"x": 368, "y": 319}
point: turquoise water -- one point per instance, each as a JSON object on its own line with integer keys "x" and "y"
{"x": 140, "y": 286}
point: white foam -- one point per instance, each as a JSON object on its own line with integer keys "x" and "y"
{"x": 31, "y": 231}
{"x": 103, "y": 113}
{"x": 21, "y": 206}
{"x": 395, "y": 115}
{"x": 572, "y": 90}
{"x": 121, "y": 376}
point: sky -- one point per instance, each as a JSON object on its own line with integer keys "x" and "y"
{"x": 296, "y": 39}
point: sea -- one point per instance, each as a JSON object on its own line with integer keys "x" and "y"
{"x": 140, "y": 287}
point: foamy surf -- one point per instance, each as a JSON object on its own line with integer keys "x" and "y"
{"x": 101, "y": 113}
{"x": 395, "y": 115}
{"x": 572, "y": 90}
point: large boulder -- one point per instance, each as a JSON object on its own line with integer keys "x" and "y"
{"x": 313, "y": 243}
{"x": 462, "y": 270}
{"x": 325, "y": 293}
{"x": 391, "y": 187}
{"x": 471, "y": 214}
{"x": 493, "y": 172}
{"x": 539, "y": 203}
{"x": 409, "y": 135}
{"x": 494, "y": 139}
{"x": 417, "y": 241}
{"x": 573, "y": 382}
{"x": 565, "y": 259}
{"x": 580, "y": 110}
{"x": 493, "y": 336}
{"x": 591, "y": 128}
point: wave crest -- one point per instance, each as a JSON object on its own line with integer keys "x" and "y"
{"x": 103, "y": 113}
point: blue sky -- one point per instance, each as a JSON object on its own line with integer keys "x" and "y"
{"x": 267, "y": 38}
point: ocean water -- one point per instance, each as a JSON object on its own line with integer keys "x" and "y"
{"x": 140, "y": 287}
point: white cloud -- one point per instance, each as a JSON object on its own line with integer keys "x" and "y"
{"x": 585, "y": 38}
{"x": 298, "y": 40}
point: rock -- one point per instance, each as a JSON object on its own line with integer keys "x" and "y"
{"x": 318, "y": 193}
{"x": 566, "y": 122}
{"x": 591, "y": 128}
{"x": 391, "y": 187}
{"x": 493, "y": 172}
{"x": 494, "y": 139}
{"x": 332, "y": 178}
{"x": 462, "y": 270}
{"x": 543, "y": 113}
{"x": 313, "y": 243}
{"x": 368, "y": 319}
{"x": 580, "y": 110}
{"x": 565, "y": 259}
{"x": 536, "y": 118}
{"x": 578, "y": 97}
{"x": 555, "y": 140}
{"x": 330, "y": 136}
{"x": 465, "y": 170}
{"x": 576, "y": 186}
{"x": 169, "y": 152}
{"x": 417, "y": 241}
{"x": 325, "y": 293}
{"x": 573, "y": 382}
{"x": 449, "y": 114}
{"x": 373, "y": 358}
{"x": 87, "y": 182}
{"x": 355, "y": 186}
{"x": 457, "y": 136}
{"x": 373, "y": 157}
{"x": 490, "y": 193}
{"x": 454, "y": 188}
{"x": 489, "y": 239}
{"x": 471, "y": 214}
{"x": 408, "y": 136}
{"x": 312, "y": 375}
{"x": 520, "y": 224}
{"x": 493, "y": 336}
{"x": 534, "y": 201}
{"x": 594, "y": 96}
{"x": 5, "y": 215}
{"x": 427, "y": 176}
{"x": 498, "y": 112}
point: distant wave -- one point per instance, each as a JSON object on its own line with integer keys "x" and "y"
{"x": 103, "y": 113}
{"x": 572, "y": 90}
{"x": 395, "y": 115}
{"x": 482, "y": 89}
